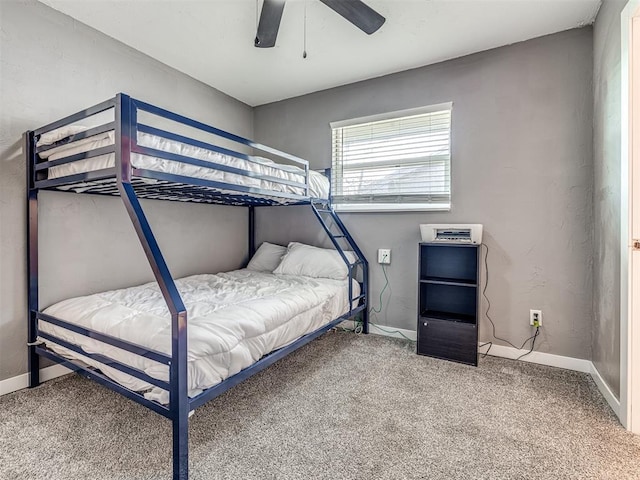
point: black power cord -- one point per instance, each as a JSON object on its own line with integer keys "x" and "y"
{"x": 493, "y": 325}
{"x": 484, "y": 345}
{"x": 533, "y": 344}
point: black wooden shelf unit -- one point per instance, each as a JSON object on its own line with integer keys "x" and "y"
{"x": 448, "y": 290}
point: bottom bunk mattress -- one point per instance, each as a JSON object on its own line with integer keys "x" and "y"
{"x": 234, "y": 319}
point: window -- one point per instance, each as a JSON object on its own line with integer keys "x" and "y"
{"x": 395, "y": 161}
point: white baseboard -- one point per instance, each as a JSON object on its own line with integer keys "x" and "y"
{"x": 541, "y": 358}
{"x": 606, "y": 392}
{"x": 19, "y": 382}
{"x": 393, "y": 332}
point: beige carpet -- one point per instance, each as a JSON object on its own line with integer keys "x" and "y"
{"x": 343, "y": 407}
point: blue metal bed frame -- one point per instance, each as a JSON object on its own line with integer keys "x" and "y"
{"x": 129, "y": 183}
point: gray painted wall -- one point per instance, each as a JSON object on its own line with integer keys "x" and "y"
{"x": 522, "y": 166}
{"x": 606, "y": 211}
{"x": 52, "y": 66}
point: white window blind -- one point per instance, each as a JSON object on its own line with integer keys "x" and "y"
{"x": 399, "y": 160}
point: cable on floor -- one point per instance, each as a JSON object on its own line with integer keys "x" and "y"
{"x": 533, "y": 344}
{"x": 391, "y": 332}
{"x": 484, "y": 345}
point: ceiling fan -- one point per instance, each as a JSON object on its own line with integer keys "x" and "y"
{"x": 355, "y": 11}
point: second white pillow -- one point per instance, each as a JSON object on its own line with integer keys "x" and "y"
{"x": 315, "y": 262}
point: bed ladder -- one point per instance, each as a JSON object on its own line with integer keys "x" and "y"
{"x": 343, "y": 241}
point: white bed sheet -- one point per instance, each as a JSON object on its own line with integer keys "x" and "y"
{"x": 234, "y": 319}
{"x": 318, "y": 183}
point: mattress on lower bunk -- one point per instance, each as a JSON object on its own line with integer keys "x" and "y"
{"x": 234, "y": 319}
{"x": 318, "y": 183}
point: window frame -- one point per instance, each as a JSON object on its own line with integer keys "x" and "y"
{"x": 394, "y": 207}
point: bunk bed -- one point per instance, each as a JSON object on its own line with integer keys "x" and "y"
{"x": 145, "y": 152}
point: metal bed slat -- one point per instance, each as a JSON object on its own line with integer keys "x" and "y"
{"x": 169, "y": 189}
{"x": 177, "y": 194}
{"x": 105, "y": 189}
{"x": 178, "y": 191}
{"x": 107, "y": 361}
{"x": 108, "y": 339}
{"x": 105, "y": 381}
{"x": 166, "y": 189}
{"x": 219, "y": 199}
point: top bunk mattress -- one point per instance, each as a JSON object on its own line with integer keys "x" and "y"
{"x": 233, "y": 318}
{"x": 318, "y": 183}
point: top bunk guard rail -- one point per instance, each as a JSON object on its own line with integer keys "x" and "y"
{"x": 292, "y": 187}
{"x": 216, "y": 131}
{"x": 76, "y": 117}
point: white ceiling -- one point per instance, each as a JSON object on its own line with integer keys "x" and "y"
{"x": 212, "y": 40}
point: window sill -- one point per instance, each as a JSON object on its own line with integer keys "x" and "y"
{"x": 391, "y": 207}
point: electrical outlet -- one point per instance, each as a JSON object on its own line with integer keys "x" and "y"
{"x": 384, "y": 255}
{"x": 535, "y": 318}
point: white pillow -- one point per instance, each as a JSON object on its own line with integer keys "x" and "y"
{"x": 267, "y": 258}
{"x": 59, "y": 133}
{"x": 315, "y": 262}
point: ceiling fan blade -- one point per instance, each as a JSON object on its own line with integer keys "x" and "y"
{"x": 361, "y": 15}
{"x": 269, "y": 24}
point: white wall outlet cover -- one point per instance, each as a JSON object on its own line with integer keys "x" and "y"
{"x": 535, "y": 316}
{"x": 384, "y": 255}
